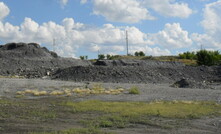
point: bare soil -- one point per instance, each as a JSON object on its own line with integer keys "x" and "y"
{"x": 19, "y": 119}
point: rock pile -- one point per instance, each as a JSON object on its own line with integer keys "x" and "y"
{"x": 138, "y": 74}
{"x": 186, "y": 83}
{"x": 32, "y": 61}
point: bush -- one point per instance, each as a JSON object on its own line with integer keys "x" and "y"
{"x": 83, "y": 57}
{"x": 134, "y": 90}
{"x": 109, "y": 57}
{"x": 141, "y": 53}
{"x": 101, "y": 56}
{"x": 208, "y": 58}
{"x": 188, "y": 55}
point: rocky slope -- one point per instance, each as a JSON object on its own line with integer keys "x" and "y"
{"x": 32, "y": 61}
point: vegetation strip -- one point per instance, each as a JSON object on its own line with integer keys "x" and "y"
{"x": 174, "y": 109}
{"x": 97, "y": 117}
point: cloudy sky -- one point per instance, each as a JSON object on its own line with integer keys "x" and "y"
{"x": 84, "y": 27}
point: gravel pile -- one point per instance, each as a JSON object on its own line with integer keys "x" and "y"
{"x": 185, "y": 83}
{"x": 140, "y": 74}
{"x": 32, "y": 61}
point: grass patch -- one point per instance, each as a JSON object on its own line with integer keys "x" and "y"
{"x": 22, "y": 110}
{"x": 94, "y": 90}
{"x": 107, "y": 121}
{"x": 134, "y": 90}
{"x": 175, "y": 109}
{"x": 12, "y": 76}
{"x": 75, "y": 131}
{"x": 129, "y": 114}
{"x": 95, "y": 117}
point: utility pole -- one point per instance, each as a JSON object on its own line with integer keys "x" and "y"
{"x": 127, "y": 42}
{"x": 54, "y": 44}
{"x": 98, "y": 53}
{"x": 201, "y": 46}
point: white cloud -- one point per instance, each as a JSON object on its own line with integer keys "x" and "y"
{"x": 129, "y": 11}
{"x": 172, "y": 37}
{"x": 169, "y": 8}
{"x": 70, "y": 36}
{"x": 63, "y": 2}
{"x": 133, "y": 11}
{"x": 154, "y": 51}
{"x": 212, "y": 20}
{"x": 4, "y": 11}
{"x": 83, "y": 1}
{"x": 211, "y": 24}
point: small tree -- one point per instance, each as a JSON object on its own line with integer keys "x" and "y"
{"x": 188, "y": 55}
{"x": 84, "y": 57}
{"x": 109, "y": 57}
{"x": 101, "y": 56}
{"x": 141, "y": 53}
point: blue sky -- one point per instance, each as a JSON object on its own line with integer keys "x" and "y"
{"x": 84, "y": 27}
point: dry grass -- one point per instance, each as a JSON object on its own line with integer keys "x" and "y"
{"x": 12, "y": 76}
{"x": 95, "y": 89}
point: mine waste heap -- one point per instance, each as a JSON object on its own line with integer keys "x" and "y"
{"x": 33, "y": 61}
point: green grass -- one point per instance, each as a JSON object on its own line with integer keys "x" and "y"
{"x": 129, "y": 114}
{"x": 134, "y": 90}
{"x": 107, "y": 121}
{"x": 175, "y": 109}
{"x": 12, "y": 108}
{"x": 95, "y": 117}
{"x": 75, "y": 131}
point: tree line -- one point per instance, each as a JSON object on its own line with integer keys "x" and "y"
{"x": 203, "y": 57}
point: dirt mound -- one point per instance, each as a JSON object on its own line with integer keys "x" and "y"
{"x": 186, "y": 83}
{"x": 23, "y": 50}
{"x": 131, "y": 62}
{"x": 138, "y": 74}
{"x": 32, "y": 61}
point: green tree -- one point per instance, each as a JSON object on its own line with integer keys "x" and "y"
{"x": 208, "y": 58}
{"x": 84, "y": 57}
{"x": 101, "y": 56}
{"x": 109, "y": 57}
{"x": 136, "y": 53}
{"x": 141, "y": 53}
{"x": 188, "y": 55}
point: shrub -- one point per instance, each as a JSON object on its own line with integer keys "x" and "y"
{"x": 84, "y": 57}
{"x": 188, "y": 55}
{"x": 109, "y": 57}
{"x": 101, "y": 56}
{"x": 141, "y": 53}
{"x": 208, "y": 58}
{"x": 134, "y": 90}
